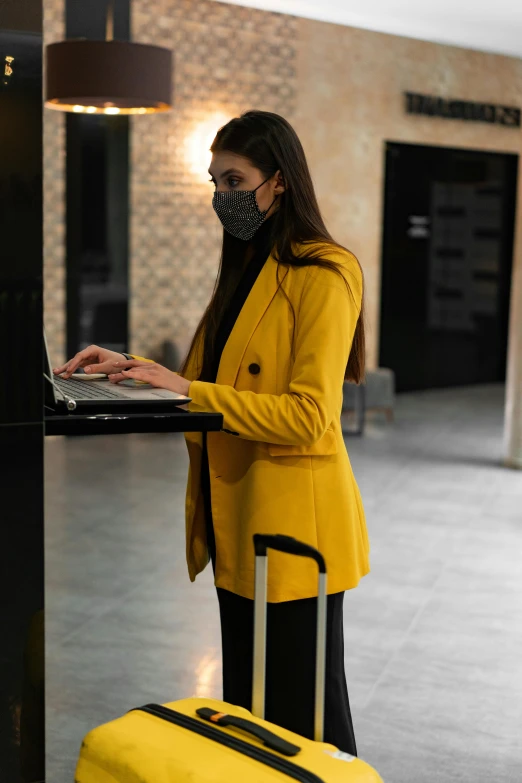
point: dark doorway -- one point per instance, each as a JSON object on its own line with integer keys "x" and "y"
{"x": 446, "y": 265}
{"x": 97, "y": 204}
{"x": 97, "y": 231}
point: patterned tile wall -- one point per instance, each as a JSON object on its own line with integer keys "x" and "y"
{"x": 227, "y": 59}
{"x": 54, "y": 201}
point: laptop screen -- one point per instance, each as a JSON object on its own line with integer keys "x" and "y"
{"x": 48, "y": 378}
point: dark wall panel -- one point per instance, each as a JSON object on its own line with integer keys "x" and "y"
{"x": 21, "y": 427}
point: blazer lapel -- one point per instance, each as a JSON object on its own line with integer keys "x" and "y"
{"x": 262, "y": 293}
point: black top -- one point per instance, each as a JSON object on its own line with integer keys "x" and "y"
{"x": 262, "y": 245}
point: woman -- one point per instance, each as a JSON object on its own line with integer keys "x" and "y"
{"x": 283, "y": 328}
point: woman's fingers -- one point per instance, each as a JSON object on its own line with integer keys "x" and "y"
{"x": 80, "y": 360}
{"x": 127, "y": 364}
{"x": 129, "y": 368}
{"x": 138, "y": 374}
{"x": 58, "y": 370}
{"x": 96, "y": 359}
{"x": 156, "y": 375}
{"x": 115, "y": 373}
{"x": 64, "y": 367}
{"x": 110, "y": 367}
{"x": 106, "y": 367}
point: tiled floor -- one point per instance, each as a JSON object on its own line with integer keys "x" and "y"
{"x": 433, "y": 634}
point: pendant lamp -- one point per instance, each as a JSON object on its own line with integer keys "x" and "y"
{"x": 108, "y": 77}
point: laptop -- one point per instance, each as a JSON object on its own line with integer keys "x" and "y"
{"x": 103, "y": 397}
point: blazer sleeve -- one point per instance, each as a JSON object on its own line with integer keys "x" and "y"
{"x": 325, "y": 326}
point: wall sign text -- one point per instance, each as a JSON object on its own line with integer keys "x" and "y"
{"x": 450, "y": 109}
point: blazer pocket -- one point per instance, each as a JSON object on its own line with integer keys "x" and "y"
{"x": 324, "y": 447}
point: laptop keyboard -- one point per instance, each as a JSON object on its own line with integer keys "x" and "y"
{"x": 86, "y": 390}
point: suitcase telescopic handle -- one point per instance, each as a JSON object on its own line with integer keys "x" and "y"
{"x": 290, "y": 546}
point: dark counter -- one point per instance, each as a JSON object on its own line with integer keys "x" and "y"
{"x": 123, "y": 424}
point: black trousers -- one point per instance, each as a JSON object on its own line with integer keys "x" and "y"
{"x": 290, "y": 676}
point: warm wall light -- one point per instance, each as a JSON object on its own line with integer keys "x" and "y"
{"x": 198, "y": 143}
{"x": 108, "y": 77}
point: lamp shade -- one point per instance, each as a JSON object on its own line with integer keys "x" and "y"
{"x": 108, "y": 77}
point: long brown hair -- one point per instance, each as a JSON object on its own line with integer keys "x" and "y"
{"x": 270, "y": 144}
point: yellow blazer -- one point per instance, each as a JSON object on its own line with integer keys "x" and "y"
{"x": 281, "y": 466}
{"x": 280, "y": 463}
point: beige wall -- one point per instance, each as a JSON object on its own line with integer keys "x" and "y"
{"x": 353, "y": 80}
{"x": 54, "y": 201}
{"x": 227, "y": 60}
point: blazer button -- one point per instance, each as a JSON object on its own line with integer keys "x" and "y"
{"x": 254, "y": 369}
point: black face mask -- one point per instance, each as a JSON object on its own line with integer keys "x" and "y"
{"x": 239, "y": 212}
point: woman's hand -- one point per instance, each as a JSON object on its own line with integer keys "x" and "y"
{"x": 149, "y": 372}
{"x": 95, "y": 358}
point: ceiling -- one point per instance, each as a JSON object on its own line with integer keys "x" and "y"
{"x": 487, "y": 25}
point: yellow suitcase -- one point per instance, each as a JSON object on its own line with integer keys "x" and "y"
{"x": 213, "y": 742}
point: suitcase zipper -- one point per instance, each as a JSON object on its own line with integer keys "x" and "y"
{"x": 184, "y": 721}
